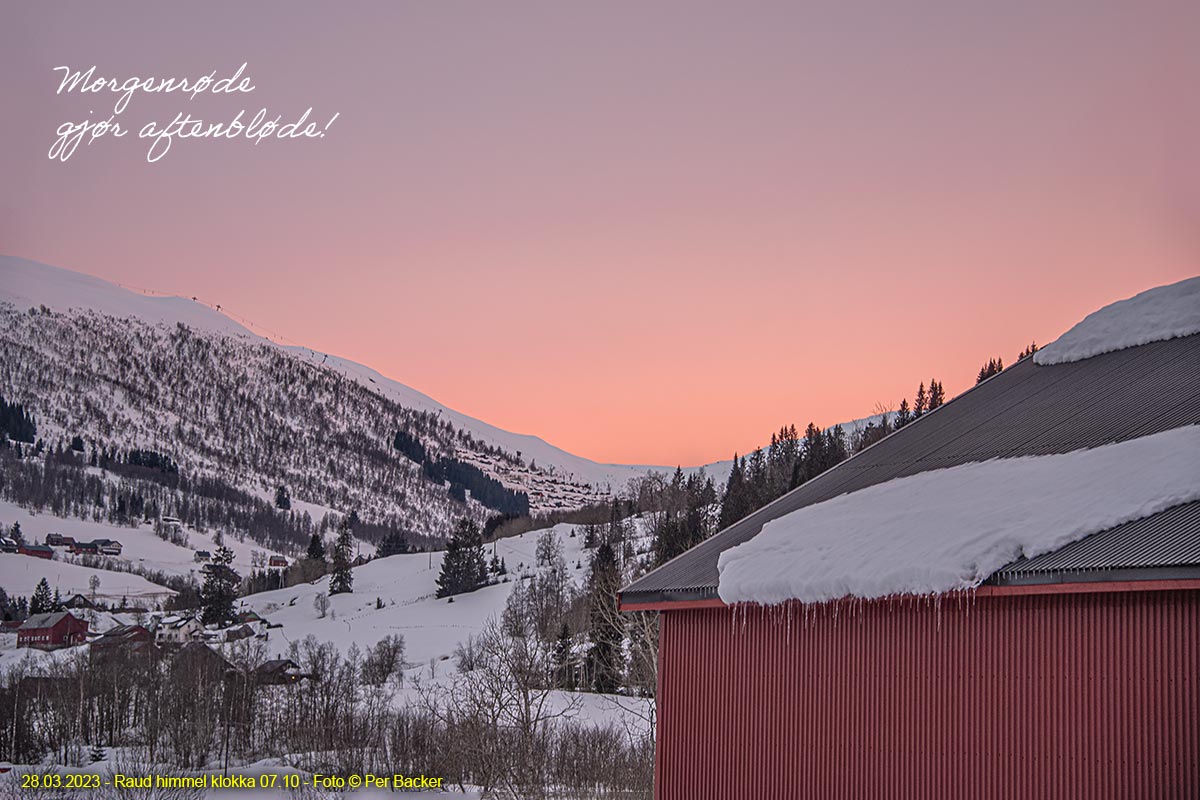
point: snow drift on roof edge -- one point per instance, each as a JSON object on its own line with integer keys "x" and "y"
{"x": 950, "y": 529}
{"x": 1164, "y": 312}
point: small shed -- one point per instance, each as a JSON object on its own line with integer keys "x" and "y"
{"x": 279, "y": 671}
{"x": 78, "y": 601}
{"x": 196, "y": 664}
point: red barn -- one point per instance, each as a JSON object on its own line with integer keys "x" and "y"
{"x": 50, "y": 631}
{"x": 1071, "y": 674}
{"x": 36, "y": 550}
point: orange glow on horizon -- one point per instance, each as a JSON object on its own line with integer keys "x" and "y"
{"x": 647, "y": 236}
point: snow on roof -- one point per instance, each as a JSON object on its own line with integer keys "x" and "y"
{"x": 47, "y": 620}
{"x": 950, "y": 529}
{"x": 1163, "y": 312}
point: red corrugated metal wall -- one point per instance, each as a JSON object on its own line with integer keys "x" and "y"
{"x": 1049, "y": 696}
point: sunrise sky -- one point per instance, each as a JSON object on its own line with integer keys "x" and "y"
{"x": 647, "y": 232}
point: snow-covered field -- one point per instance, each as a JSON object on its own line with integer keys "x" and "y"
{"x": 432, "y": 627}
{"x": 140, "y": 546}
{"x": 19, "y": 576}
{"x": 405, "y": 584}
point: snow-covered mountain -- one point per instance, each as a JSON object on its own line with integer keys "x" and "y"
{"x": 124, "y": 369}
{"x": 28, "y": 284}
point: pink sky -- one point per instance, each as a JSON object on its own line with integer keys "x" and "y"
{"x": 646, "y": 232}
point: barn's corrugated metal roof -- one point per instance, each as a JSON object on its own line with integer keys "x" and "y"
{"x": 1165, "y": 543}
{"x": 1025, "y": 410}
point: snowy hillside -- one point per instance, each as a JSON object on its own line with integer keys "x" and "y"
{"x": 28, "y": 284}
{"x": 407, "y": 585}
{"x": 19, "y": 576}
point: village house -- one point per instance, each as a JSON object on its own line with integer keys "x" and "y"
{"x": 248, "y": 615}
{"x": 58, "y": 540}
{"x": 277, "y": 561}
{"x": 8, "y": 545}
{"x": 128, "y": 638}
{"x": 177, "y": 630}
{"x": 103, "y": 547}
{"x": 109, "y": 547}
{"x": 78, "y": 601}
{"x": 52, "y": 631}
{"x": 198, "y": 663}
{"x": 201, "y": 556}
{"x": 239, "y": 632}
{"x": 279, "y": 672}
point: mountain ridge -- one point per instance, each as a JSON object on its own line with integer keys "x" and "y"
{"x": 29, "y": 284}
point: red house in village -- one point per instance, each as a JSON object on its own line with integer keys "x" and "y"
{"x": 36, "y": 550}
{"x": 51, "y": 631}
{"x": 1071, "y": 674}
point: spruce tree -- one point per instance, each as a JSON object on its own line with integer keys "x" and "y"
{"x": 219, "y": 589}
{"x": 605, "y": 655}
{"x": 921, "y": 403}
{"x": 282, "y": 499}
{"x": 591, "y": 537}
{"x": 564, "y": 675}
{"x": 464, "y": 568}
{"x": 937, "y": 395}
{"x": 734, "y": 502}
{"x": 392, "y": 544}
{"x": 316, "y": 548}
{"x": 42, "y": 601}
{"x": 993, "y": 366}
{"x": 342, "y": 579}
{"x": 903, "y": 414}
